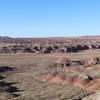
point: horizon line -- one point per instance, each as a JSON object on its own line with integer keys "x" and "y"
{"x": 50, "y": 36}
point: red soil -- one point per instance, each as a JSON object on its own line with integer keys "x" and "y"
{"x": 74, "y": 81}
{"x": 95, "y": 86}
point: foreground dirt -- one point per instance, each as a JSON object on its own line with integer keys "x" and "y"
{"x": 19, "y": 74}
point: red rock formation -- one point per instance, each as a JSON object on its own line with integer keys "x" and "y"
{"x": 75, "y": 70}
{"x": 51, "y": 76}
{"x": 94, "y": 86}
{"x": 62, "y": 62}
{"x": 74, "y": 80}
{"x": 93, "y": 61}
{"x": 81, "y": 83}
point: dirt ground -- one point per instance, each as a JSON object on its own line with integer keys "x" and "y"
{"x": 19, "y": 74}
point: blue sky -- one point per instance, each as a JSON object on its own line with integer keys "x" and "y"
{"x": 49, "y": 18}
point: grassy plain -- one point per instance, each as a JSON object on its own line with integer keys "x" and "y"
{"x": 29, "y": 67}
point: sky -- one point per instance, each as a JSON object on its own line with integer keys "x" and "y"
{"x": 49, "y": 18}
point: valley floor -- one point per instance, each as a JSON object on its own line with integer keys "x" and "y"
{"x": 19, "y": 74}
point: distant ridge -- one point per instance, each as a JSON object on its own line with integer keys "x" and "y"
{"x": 5, "y": 38}
{"x": 78, "y": 37}
{"x": 90, "y": 37}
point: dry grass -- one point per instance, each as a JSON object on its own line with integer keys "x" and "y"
{"x": 29, "y": 67}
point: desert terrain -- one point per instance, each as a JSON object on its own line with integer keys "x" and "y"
{"x": 50, "y": 68}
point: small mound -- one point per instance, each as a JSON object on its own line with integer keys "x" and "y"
{"x": 63, "y": 60}
{"x": 94, "y": 68}
{"x": 51, "y": 76}
{"x": 95, "y": 86}
{"x": 71, "y": 79}
{"x": 74, "y": 70}
{"x": 93, "y": 61}
{"x": 81, "y": 83}
{"x": 60, "y": 78}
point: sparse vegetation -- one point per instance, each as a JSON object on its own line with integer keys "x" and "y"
{"x": 22, "y": 74}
